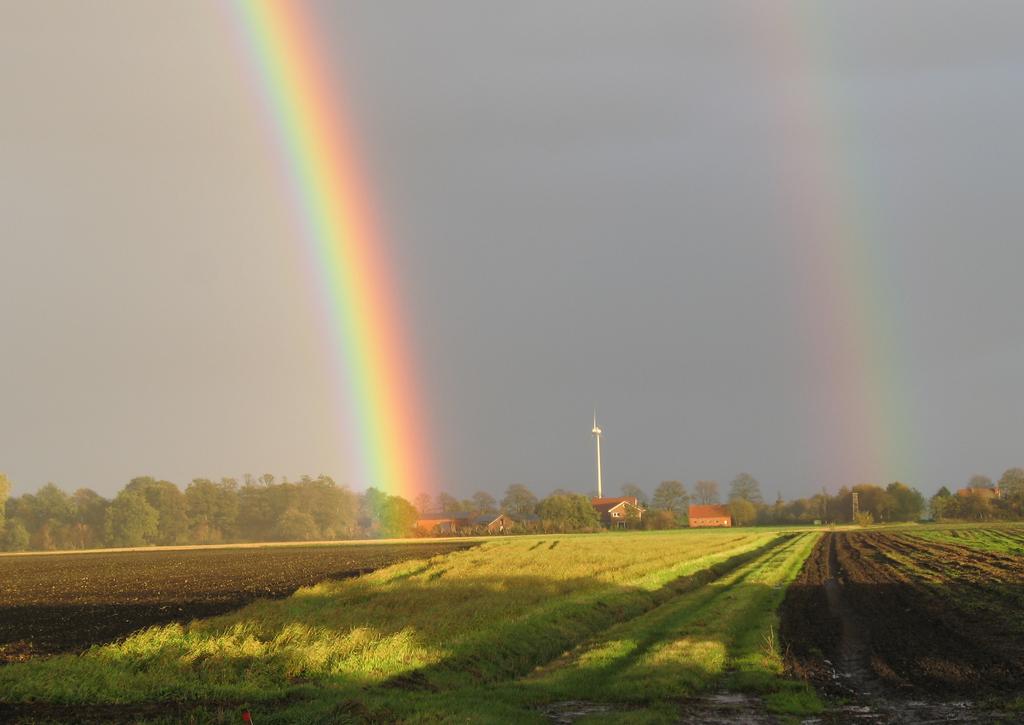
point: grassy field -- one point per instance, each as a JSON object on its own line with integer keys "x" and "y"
{"x": 495, "y": 633}
{"x": 640, "y": 627}
{"x": 1004, "y": 539}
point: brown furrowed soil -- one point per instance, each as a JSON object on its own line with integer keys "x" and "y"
{"x": 887, "y": 612}
{"x": 67, "y": 602}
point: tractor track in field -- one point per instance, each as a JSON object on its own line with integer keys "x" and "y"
{"x": 716, "y": 707}
{"x": 665, "y": 595}
{"x": 902, "y": 628}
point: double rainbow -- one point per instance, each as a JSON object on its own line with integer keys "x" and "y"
{"x": 850, "y": 306}
{"x": 378, "y": 395}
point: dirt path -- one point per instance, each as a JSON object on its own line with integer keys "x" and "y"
{"x": 891, "y": 626}
{"x": 852, "y": 667}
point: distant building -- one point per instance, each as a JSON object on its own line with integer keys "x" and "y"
{"x": 438, "y": 524}
{"x": 494, "y": 523}
{"x": 709, "y": 515}
{"x": 985, "y": 492}
{"x": 442, "y": 524}
{"x": 615, "y": 513}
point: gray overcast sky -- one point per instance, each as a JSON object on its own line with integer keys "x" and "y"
{"x": 589, "y": 203}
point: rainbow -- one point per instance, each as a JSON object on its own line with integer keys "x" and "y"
{"x": 850, "y": 310}
{"x": 376, "y": 392}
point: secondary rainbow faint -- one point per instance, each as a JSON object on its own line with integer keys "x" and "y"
{"x": 850, "y": 307}
{"x": 377, "y": 392}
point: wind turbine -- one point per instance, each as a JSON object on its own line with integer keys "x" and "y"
{"x": 597, "y": 437}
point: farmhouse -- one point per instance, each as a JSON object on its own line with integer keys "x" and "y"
{"x": 438, "y": 524}
{"x": 494, "y": 523}
{"x": 983, "y": 492}
{"x": 616, "y": 512}
{"x": 705, "y": 515}
{"x": 450, "y": 523}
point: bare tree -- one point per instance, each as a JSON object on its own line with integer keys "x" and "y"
{"x": 746, "y": 487}
{"x": 424, "y": 503}
{"x": 448, "y": 503}
{"x": 671, "y": 496}
{"x": 519, "y": 500}
{"x": 631, "y": 489}
{"x": 706, "y": 491}
{"x": 979, "y": 481}
{"x": 484, "y": 503}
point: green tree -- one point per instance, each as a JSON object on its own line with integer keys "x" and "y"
{"x": 398, "y": 517}
{"x": 1011, "y": 482}
{"x": 975, "y": 506}
{"x": 296, "y": 525}
{"x": 746, "y": 487}
{"x": 212, "y": 510}
{"x": 259, "y": 509}
{"x": 131, "y": 521}
{"x": 908, "y": 503}
{"x": 568, "y": 512}
{"x": 705, "y": 492}
{"x": 743, "y": 512}
{"x": 90, "y": 518}
{"x": 333, "y": 508}
{"x": 658, "y": 520}
{"x": 48, "y": 515}
{"x": 864, "y": 518}
{"x": 875, "y": 500}
{"x": 371, "y": 507}
{"x": 15, "y": 536}
{"x": 942, "y": 505}
{"x": 170, "y": 504}
{"x": 389, "y": 516}
{"x": 671, "y": 496}
{"x": 5, "y": 491}
{"x": 519, "y": 500}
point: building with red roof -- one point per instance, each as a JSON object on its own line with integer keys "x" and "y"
{"x": 709, "y": 515}
{"x": 983, "y": 492}
{"x": 616, "y": 512}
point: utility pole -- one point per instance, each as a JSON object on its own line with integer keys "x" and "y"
{"x": 597, "y": 437}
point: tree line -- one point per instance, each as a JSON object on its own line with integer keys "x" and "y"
{"x": 978, "y": 500}
{"x": 669, "y": 505}
{"x": 152, "y": 512}
{"x": 896, "y": 502}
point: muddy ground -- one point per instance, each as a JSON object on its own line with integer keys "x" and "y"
{"x": 887, "y": 617}
{"x": 67, "y": 602}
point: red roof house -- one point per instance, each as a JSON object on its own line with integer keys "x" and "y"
{"x": 983, "y": 492}
{"x": 439, "y": 524}
{"x": 616, "y": 512}
{"x": 712, "y": 514}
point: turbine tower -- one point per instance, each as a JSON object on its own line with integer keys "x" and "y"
{"x": 597, "y": 437}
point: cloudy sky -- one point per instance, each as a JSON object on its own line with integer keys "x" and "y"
{"x": 770, "y": 237}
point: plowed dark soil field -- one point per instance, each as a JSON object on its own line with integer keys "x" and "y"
{"x": 67, "y": 602}
{"x": 892, "y": 610}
